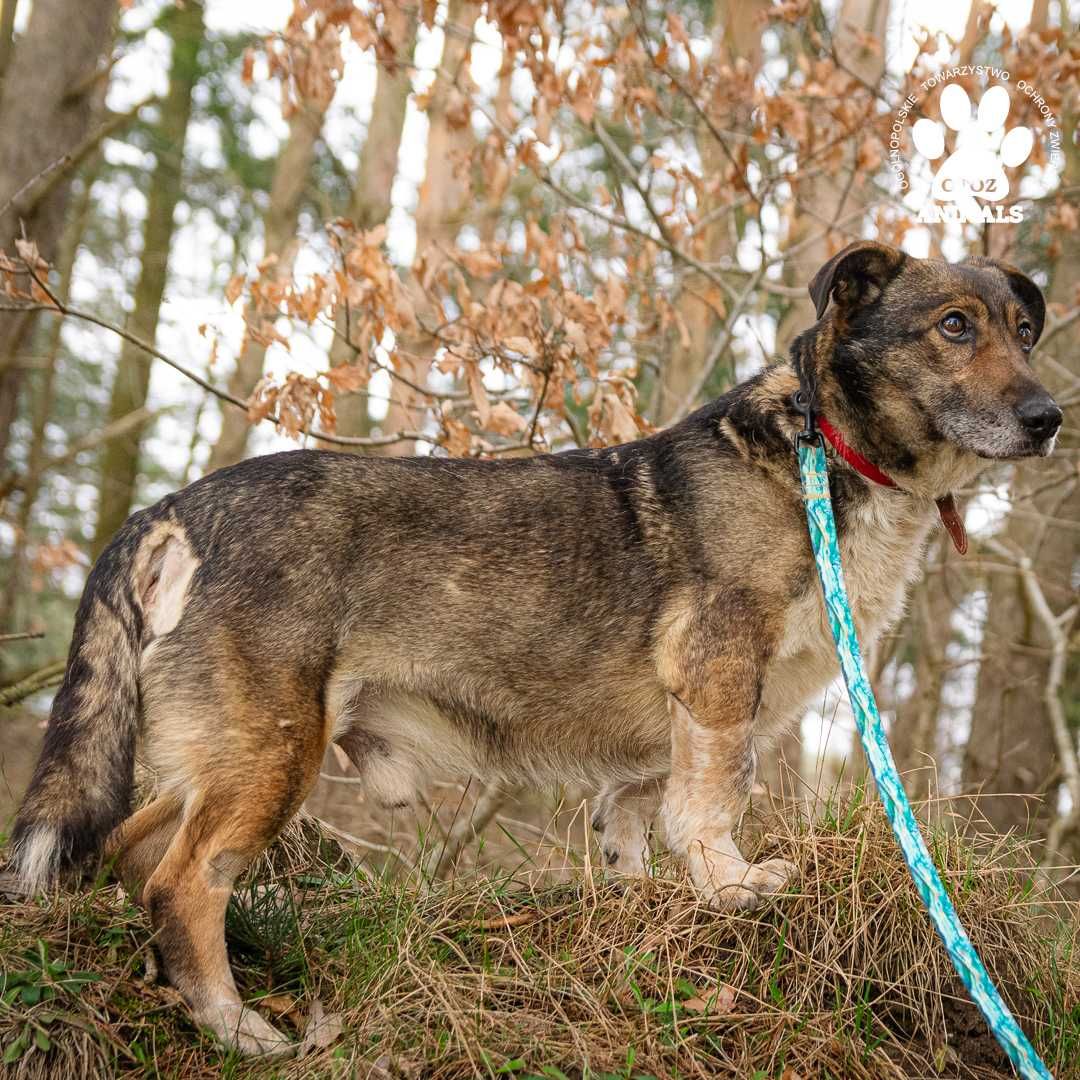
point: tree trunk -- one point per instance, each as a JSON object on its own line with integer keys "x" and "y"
{"x": 120, "y": 457}
{"x": 291, "y": 174}
{"x": 442, "y": 205}
{"x": 369, "y": 205}
{"x": 915, "y": 734}
{"x": 736, "y": 46}
{"x": 46, "y": 104}
{"x": 442, "y": 198}
{"x": 44, "y": 399}
{"x": 1010, "y": 759}
{"x": 823, "y": 202}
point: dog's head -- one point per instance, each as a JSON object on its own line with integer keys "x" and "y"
{"x": 925, "y": 353}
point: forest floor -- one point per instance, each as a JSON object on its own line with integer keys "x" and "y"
{"x": 379, "y": 975}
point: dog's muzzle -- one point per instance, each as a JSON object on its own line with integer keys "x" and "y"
{"x": 1040, "y": 416}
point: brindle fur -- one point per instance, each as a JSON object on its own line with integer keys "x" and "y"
{"x": 633, "y": 618}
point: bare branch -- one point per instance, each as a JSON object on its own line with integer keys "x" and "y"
{"x": 1058, "y": 628}
{"x": 488, "y": 803}
{"x": 67, "y": 311}
{"x": 115, "y": 430}
{"x": 42, "y": 679}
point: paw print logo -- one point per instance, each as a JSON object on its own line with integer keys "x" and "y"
{"x": 975, "y": 170}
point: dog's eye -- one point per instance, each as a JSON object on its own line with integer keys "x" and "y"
{"x": 954, "y": 325}
{"x": 1027, "y": 336}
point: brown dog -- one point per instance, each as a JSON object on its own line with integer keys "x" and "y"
{"x": 631, "y": 618}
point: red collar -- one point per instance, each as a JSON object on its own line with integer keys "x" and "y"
{"x": 950, "y": 516}
{"x": 853, "y": 457}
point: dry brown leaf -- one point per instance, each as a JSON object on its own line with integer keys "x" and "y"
{"x": 718, "y": 1003}
{"x": 323, "y": 1029}
{"x": 278, "y": 1004}
{"x": 621, "y": 423}
{"x": 505, "y": 420}
{"x": 348, "y": 378}
{"x": 481, "y": 263}
{"x": 475, "y": 380}
{"x": 28, "y": 252}
{"x": 234, "y": 288}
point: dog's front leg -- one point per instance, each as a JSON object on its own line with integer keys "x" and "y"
{"x": 622, "y": 818}
{"x": 712, "y": 707}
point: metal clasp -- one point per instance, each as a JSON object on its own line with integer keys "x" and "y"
{"x": 809, "y": 434}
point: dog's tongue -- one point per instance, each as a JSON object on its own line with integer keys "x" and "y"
{"x": 953, "y": 522}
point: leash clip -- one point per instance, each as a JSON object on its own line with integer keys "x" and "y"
{"x": 810, "y": 433}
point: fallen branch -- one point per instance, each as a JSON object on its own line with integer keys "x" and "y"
{"x": 360, "y": 842}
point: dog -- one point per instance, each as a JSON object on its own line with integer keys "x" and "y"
{"x": 632, "y": 618}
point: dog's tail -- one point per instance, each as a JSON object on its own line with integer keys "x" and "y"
{"x": 82, "y": 785}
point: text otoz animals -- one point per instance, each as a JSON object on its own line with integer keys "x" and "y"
{"x": 633, "y": 619}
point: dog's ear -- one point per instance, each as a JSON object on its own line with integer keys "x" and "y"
{"x": 855, "y": 275}
{"x": 1023, "y": 288}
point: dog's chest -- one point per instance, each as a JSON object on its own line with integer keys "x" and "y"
{"x": 881, "y": 551}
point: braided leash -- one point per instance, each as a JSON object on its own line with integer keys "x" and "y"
{"x": 819, "y": 515}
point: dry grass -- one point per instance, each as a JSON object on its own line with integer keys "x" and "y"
{"x": 506, "y": 975}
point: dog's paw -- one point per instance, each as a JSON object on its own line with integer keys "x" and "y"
{"x": 626, "y": 860}
{"x": 244, "y": 1030}
{"x": 771, "y": 876}
{"x": 729, "y": 885}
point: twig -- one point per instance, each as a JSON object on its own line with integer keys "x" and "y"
{"x": 41, "y": 679}
{"x": 74, "y": 158}
{"x": 56, "y": 169}
{"x": 66, "y": 311}
{"x": 1057, "y": 629}
{"x": 504, "y": 922}
{"x": 617, "y": 156}
{"x": 722, "y": 342}
{"x": 1055, "y": 326}
{"x": 59, "y": 163}
{"x": 359, "y": 841}
{"x": 465, "y": 827}
{"x": 23, "y": 635}
{"x": 115, "y": 430}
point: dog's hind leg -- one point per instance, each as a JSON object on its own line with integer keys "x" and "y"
{"x": 622, "y": 818}
{"x": 258, "y": 775}
{"x": 139, "y": 843}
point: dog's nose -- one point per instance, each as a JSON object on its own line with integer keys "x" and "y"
{"x": 1040, "y": 415}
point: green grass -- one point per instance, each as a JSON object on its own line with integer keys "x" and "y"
{"x": 506, "y": 976}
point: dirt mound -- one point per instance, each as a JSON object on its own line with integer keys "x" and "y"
{"x": 506, "y": 974}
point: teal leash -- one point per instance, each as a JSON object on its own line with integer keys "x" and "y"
{"x": 819, "y": 515}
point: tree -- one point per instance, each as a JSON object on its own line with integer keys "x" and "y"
{"x": 120, "y": 457}
{"x": 832, "y": 192}
{"x": 309, "y": 65}
{"x": 369, "y": 204}
{"x": 40, "y": 134}
{"x": 1015, "y": 760}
